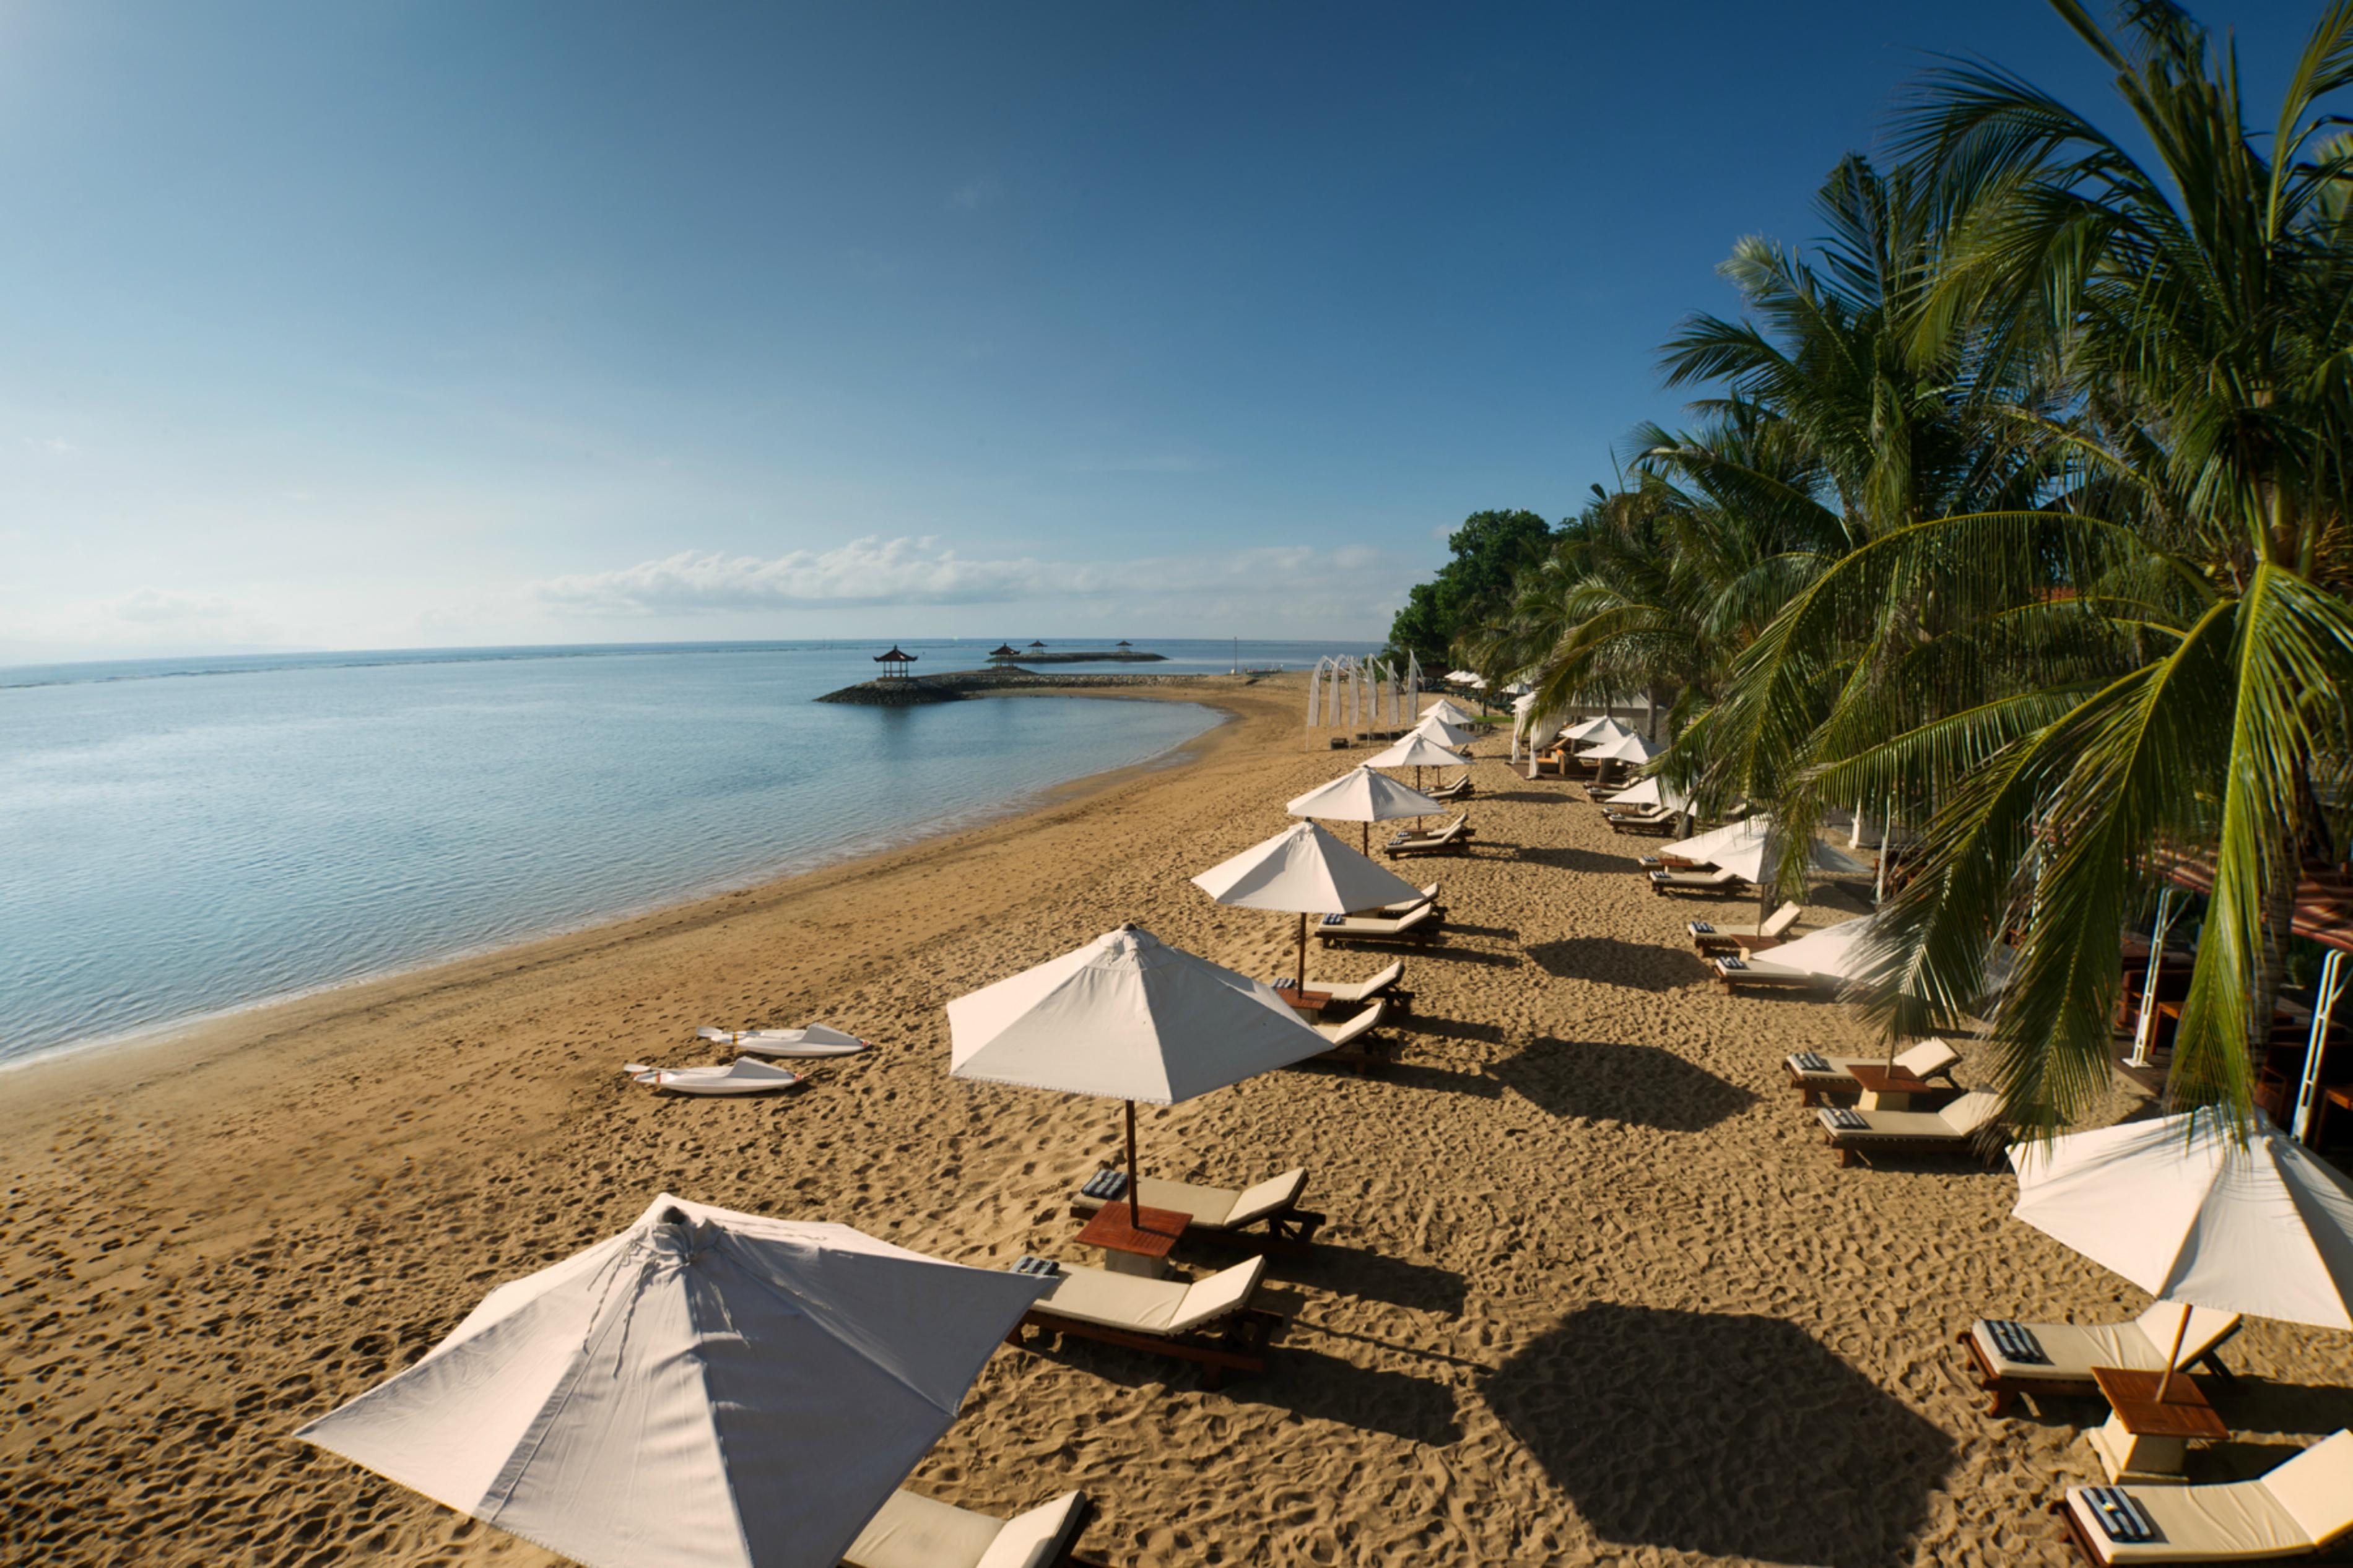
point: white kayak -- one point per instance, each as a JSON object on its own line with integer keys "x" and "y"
{"x": 817, "y": 1040}
{"x": 744, "y": 1075}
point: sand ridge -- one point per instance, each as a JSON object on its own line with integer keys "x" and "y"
{"x": 1591, "y": 1290}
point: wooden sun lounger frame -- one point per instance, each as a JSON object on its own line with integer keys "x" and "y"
{"x": 1733, "y": 980}
{"x": 1647, "y": 827}
{"x": 1237, "y": 1342}
{"x": 1421, "y": 932}
{"x": 1453, "y": 839}
{"x": 1289, "y": 1230}
{"x": 2005, "y": 1389}
{"x": 1966, "y": 1145}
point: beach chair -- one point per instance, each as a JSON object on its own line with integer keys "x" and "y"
{"x": 1383, "y": 985}
{"x": 1663, "y": 824}
{"x": 1351, "y": 1044}
{"x": 1415, "y": 926}
{"x": 1403, "y": 907}
{"x": 1737, "y": 972}
{"x": 2294, "y": 1512}
{"x": 1460, "y": 789}
{"x": 914, "y": 1531}
{"x": 1266, "y": 1217}
{"x": 1717, "y": 880}
{"x": 1649, "y": 863}
{"x": 1708, "y": 938}
{"x": 1955, "y": 1129}
{"x": 1452, "y": 838}
{"x": 1210, "y": 1322}
{"x": 1929, "y": 1059}
{"x": 2070, "y": 1350}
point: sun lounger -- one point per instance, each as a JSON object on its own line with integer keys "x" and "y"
{"x": 1454, "y": 838}
{"x": 1716, "y": 882}
{"x": 1350, "y": 1041}
{"x": 1211, "y": 1320}
{"x": 1709, "y": 938}
{"x": 1929, "y": 1059}
{"x": 1383, "y": 985}
{"x": 1648, "y": 863}
{"x": 1460, "y": 789}
{"x": 1266, "y": 1217}
{"x": 2070, "y": 1351}
{"x": 914, "y": 1531}
{"x": 1737, "y": 972}
{"x": 1428, "y": 895}
{"x": 1953, "y": 1129}
{"x": 744, "y": 1075}
{"x": 1662, "y": 826}
{"x": 817, "y": 1040}
{"x": 2294, "y": 1512}
{"x": 1416, "y": 925}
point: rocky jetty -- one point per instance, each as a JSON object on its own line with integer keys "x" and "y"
{"x": 1115, "y": 656}
{"x": 956, "y": 684}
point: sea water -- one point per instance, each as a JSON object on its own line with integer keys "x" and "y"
{"x": 182, "y": 837}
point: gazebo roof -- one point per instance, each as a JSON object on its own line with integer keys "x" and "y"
{"x": 1122, "y": 643}
{"x": 896, "y": 655}
{"x": 1003, "y": 650}
{"x": 1035, "y": 644}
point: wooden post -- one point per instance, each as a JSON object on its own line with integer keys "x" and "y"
{"x": 1302, "y": 950}
{"x": 2173, "y": 1355}
{"x": 1134, "y": 1181}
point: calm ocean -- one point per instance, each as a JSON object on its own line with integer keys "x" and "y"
{"x": 182, "y": 837}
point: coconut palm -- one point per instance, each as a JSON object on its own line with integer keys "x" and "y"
{"x": 2082, "y": 691}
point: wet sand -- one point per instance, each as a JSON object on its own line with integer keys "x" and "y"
{"x": 1591, "y": 1290}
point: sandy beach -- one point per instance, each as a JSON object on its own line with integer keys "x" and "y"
{"x": 1591, "y": 1290}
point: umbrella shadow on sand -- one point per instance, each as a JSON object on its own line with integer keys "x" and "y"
{"x": 1597, "y": 1081}
{"x": 1612, "y": 961}
{"x": 1725, "y": 1435}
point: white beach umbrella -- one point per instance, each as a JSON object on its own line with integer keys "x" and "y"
{"x": 1128, "y": 1017}
{"x": 705, "y": 1390}
{"x": 1417, "y": 751}
{"x": 1306, "y": 871}
{"x": 1444, "y": 734}
{"x": 2184, "y": 1210}
{"x": 1444, "y": 709}
{"x": 1593, "y": 730}
{"x": 1362, "y": 795}
{"x": 1625, "y": 749}
{"x": 1743, "y": 848}
{"x": 1653, "y": 791}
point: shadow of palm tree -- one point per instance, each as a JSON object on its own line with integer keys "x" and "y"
{"x": 1612, "y": 961}
{"x": 1723, "y": 1434}
{"x": 1572, "y": 859}
{"x": 1597, "y": 1081}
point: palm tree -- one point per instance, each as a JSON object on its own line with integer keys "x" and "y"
{"x": 2154, "y": 654}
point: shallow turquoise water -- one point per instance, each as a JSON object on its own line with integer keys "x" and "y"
{"x": 181, "y": 839}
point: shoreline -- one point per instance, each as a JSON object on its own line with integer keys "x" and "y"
{"x": 214, "y": 1032}
{"x": 1586, "y": 1256}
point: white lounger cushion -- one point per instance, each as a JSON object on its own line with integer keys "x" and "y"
{"x": 1362, "y": 1024}
{"x": 2075, "y": 1349}
{"x": 914, "y": 1531}
{"x": 1358, "y": 924}
{"x": 1150, "y": 1306}
{"x": 2301, "y": 1505}
{"x": 1717, "y": 878}
{"x": 1783, "y": 918}
{"x": 1362, "y": 988}
{"x": 1960, "y": 1120}
{"x": 1215, "y": 1208}
{"x": 1758, "y": 969}
{"x": 1925, "y": 1060}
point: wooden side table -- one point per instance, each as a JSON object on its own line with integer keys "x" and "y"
{"x": 1886, "y": 1088}
{"x": 1141, "y": 1248}
{"x": 2146, "y": 1441}
{"x": 1308, "y": 1002}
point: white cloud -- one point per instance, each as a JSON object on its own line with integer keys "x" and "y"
{"x": 1353, "y": 583}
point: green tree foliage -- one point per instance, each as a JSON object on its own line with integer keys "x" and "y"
{"x": 1489, "y": 550}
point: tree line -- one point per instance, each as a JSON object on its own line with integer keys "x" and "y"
{"x": 2016, "y": 506}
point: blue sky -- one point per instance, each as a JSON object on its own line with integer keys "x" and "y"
{"x": 396, "y": 324}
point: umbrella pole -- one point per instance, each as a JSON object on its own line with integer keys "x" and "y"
{"x": 1365, "y": 838}
{"x": 2173, "y": 1355}
{"x": 1303, "y": 951}
{"x": 1135, "y": 1219}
